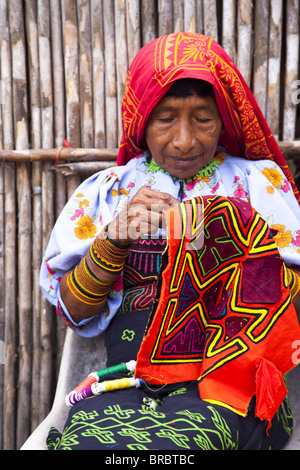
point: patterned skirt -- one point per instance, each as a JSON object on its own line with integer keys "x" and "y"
{"x": 172, "y": 418}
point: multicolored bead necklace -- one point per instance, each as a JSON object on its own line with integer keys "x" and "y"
{"x": 206, "y": 171}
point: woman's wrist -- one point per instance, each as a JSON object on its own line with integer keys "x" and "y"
{"x": 104, "y": 254}
{"x": 89, "y": 282}
{"x": 110, "y": 235}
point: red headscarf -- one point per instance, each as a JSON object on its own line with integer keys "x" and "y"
{"x": 188, "y": 55}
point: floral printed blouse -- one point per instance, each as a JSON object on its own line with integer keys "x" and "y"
{"x": 102, "y": 196}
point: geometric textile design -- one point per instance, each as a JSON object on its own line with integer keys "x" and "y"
{"x": 224, "y": 304}
{"x": 140, "y": 275}
{"x": 100, "y": 425}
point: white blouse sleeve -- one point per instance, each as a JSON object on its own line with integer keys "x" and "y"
{"x": 272, "y": 196}
{"x": 89, "y": 209}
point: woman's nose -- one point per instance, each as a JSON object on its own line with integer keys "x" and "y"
{"x": 184, "y": 137}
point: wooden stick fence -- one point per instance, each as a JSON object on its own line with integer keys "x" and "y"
{"x": 63, "y": 67}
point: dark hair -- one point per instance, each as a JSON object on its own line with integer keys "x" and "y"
{"x": 187, "y": 86}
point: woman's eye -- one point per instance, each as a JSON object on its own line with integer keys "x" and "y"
{"x": 166, "y": 119}
{"x": 203, "y": 120}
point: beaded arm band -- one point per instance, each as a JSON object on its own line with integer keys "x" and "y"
{"x": 105, "y": 255}
{"x": 85, "y": 287}
{"x": 294, "y": 282}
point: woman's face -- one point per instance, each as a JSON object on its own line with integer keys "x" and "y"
{"x": 182, "y": 134}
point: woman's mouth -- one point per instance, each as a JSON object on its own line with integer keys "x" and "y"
{"x": 185, "y": 159}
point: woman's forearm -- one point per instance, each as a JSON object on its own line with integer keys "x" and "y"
{"x": 76, "y": 308}
{"x": 84, "y": 289}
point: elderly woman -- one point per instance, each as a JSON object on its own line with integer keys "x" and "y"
{"x": 210, "y": 321}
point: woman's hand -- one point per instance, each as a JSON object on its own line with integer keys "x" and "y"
{"x": 143, "y": 215}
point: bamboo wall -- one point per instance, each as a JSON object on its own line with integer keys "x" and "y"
{"x": 63, "y": 66}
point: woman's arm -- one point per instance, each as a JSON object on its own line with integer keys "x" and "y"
{"x": 84, "y": 289}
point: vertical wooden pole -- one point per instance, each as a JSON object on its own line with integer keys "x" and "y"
{"x": 57, "y": 48}
{"x": 10, "y": 315}
{"x": 244, "y": 38}
{"x": 59, "y": 130}
{"x": 274, "y": 65}
{"x": 165, "y": 17}
{"x": 35, "y": 112}
{"x": 199, "y": 17}
{"x": 260, "y": 59}
{"x": 85, "y": 73}
{"x": 291, "y": 68}
{"x": 47, "y": 317}
{"x": 110, "y": 75}
{"x": 148, "y": 21}
{"x": 229, "y": 28}
{"x": 16, "y": 17}
{"x": 133, "y": 28}
{"x": 189, "y": 9}
{"x": 178, "y": 16}
{"x": 98, "y": 72}
{"x": 71, "y": 63}
{"x": 2, "y": 266}
{"x": 210, "y": 18}
{"x": 121, "y": 57}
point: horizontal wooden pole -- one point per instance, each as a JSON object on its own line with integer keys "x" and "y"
{"x": 290, "y": 149}
{"x": 64, "y": 153}
{"x": 82, "y": 168}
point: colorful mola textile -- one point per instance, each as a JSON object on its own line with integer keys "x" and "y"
{"x": 224, "y": 315}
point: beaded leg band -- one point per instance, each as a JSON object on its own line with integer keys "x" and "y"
{"x": 103, "y": 255}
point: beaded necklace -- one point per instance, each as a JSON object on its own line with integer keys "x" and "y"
{"x": 205, "y": 172}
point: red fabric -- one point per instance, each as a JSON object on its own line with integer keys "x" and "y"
{"x": 181, "y": 55}
{"x": 214, "y": 322}
{"x": 270, "y": 390}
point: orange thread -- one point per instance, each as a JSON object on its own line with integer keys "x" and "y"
{"x": 65, "y": 144}
{"x": 147, "y": 384}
